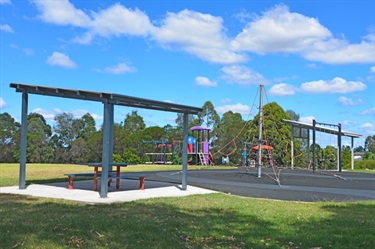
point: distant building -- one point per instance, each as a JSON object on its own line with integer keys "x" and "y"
{"x": 358, "y": 156}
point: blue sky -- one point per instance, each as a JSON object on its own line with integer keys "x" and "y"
{"x": 316, "y": 58}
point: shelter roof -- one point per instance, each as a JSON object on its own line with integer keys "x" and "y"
{"x": 321, "y": 128}
{"x": 113, "y": 98}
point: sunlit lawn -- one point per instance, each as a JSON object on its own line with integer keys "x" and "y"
{"x": 200, "y": 221}
{"x": 55, "y": 172}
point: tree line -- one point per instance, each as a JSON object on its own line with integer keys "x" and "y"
{"x": 75, "y": 140}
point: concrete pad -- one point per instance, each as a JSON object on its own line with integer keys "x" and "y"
{"x": 83, "y": 191}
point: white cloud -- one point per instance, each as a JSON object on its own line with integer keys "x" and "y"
{"x": 307, "y": 119}
{"x": 6, "y": 28}
{"x": 61, "y": 13}
{"x": 237, "y": 108}
{"x": 335, "y": 51}
{"x": 3, "y": 104}
{"x": 47, "y": 114}
{"x": 78, "y": 113}
{"x": 203, "y": 81}
{"x": 120, "y": 68}
{"x": 337, "y": 85}
{"x": 226, "y": 101}
{"x": 169, "y": 101}
{"x": 199, "y": 34}
{"x": 372, "y": 69}
{"x": 349, "y": 102}
{"x": 242, "y": 75}
{"x": 280, "y": 30}
{"x": 28, "y": 51}
{"x": 118, "y": 20}
{"x": 369, "y": 128}
{"x": 282, "y": 89}
{"x": 5, "y": 2}
{"x": 370, "y": 112}
{"x": 60, "y": 59}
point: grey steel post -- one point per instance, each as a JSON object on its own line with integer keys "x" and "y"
{"x": 106, "y": 148}
{"x": 260, "y": 131}
{"x": 292, "y": 150}
{"x": 111, "y": 128}
{"x": 339, "y": 145}
{"x": 313, "y": 144}
{"x": 184, "y": 151}
{"x": 22, "y": 173}
{"x": 352, "y": 157}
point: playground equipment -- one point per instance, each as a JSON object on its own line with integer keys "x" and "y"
{"x": 162, "y": 152}
{"x": 198, "y": 147}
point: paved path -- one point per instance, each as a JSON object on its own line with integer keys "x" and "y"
{"x": 296, "y": 185}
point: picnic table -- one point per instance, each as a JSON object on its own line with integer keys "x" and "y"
{"x": 112, "y": 174}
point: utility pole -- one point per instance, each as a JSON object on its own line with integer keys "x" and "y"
{"x": 260, "y": 131}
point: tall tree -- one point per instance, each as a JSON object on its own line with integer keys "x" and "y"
{"x": 276, "y": 132}
{"x": 65, "y": 129}
{"x": 293, "y": 116}
{"x": 370, "y": 144}
{"x": 88, "y": 125}
{"x": 9, "y": 138}
{"x": 230, "y": 137}
{"x": 134, "y": 123}
{"x": 209, "y": 117}
{"x": 38, "y": 135}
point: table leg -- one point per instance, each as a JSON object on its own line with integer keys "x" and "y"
{"x": 96, "y": 178}
{"x": 118, "y": 179}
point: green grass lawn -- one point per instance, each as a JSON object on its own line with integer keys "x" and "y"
{"x": 199, "y": 221}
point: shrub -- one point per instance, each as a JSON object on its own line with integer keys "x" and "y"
{"x": 130, "y": 157}
{"x": 117, "y": 158}
{"x": 364, "y": 164}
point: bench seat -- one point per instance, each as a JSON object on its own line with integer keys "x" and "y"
{"x": 111, "y": 175}
{"x": 141, "y": 178}
{"x": 74, "y": 175}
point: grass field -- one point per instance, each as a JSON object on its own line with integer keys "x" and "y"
{"x": 200, "y": 221}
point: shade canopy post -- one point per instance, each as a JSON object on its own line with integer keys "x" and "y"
{"x": 107, "y": 144}
{"x": 184, "y": 151}
{"x": 22, "y": 173}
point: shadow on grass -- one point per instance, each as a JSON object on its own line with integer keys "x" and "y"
{"x": 202, "y": 221}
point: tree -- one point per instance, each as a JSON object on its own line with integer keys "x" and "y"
{"x": 209, "y": 117}
{"x": 65, "y": 129}
{"x": 230, "y": 136}
{"x": 346, "y": 157}
{"x": 359, "y": 149}
{"x": 369, "y": 156}
{"x": 9, "y": 138}
{"x": 38, "y": 134}
{"x": 370, "y": 144}
{"x": 88, "y": 125}
{"x": 292, "y": 115}
{"x": 275, "y": 132}
{"x": 134, "y": 123}
{"x": 79, "y": 151}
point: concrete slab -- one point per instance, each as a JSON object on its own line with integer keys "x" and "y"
{"x": 83, "y": 191}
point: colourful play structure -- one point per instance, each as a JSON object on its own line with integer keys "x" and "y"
{"x": 157, "y": 152}
{"x": 198, "y": 146}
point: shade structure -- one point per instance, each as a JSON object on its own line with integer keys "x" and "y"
{"x": 264, "y": 147}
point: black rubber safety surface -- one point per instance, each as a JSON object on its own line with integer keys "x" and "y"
{"x": 286, "y": 184}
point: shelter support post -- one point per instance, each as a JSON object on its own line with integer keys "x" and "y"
{"x": 314, "y": 159}
{"x": 292, "y": 151}
{"x": 352, "y": 150}
{"x": 184, "y": 151}
{"x": 339, "y": 147}
{"x": 22, "y": 173}
{"x": 107, "y": 144}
